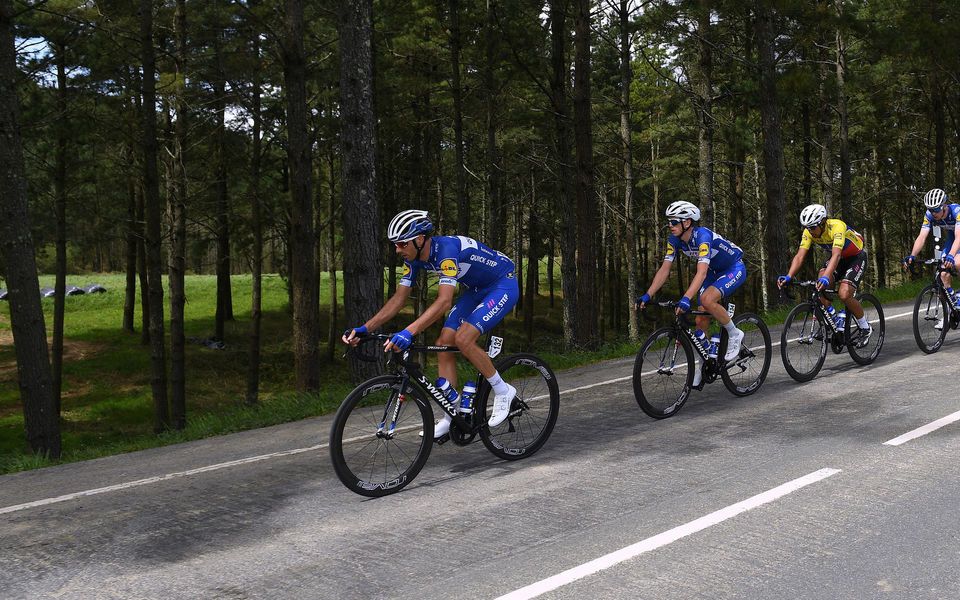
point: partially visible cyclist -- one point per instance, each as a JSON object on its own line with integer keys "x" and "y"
{"x": 720, "y": 271}
{"x": 848, "y": 259}
{"x": 941, "y": 214}
{"x": 491, "y": 292}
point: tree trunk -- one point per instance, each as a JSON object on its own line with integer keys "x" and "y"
{"x": 20, "y": 268}
{"x": 463, "y": 199}
{"x": 846, "y": 208}
{"x": 362, "y": 258}
{"x": 177, "y": 203}
{"x": 60, "y": 201}
{"x": 776, "y": 235}
{"x": 626, "y": 82}
{"x": 131, "y": 234}
{"x": 586, "y": 210}
{"x": 497, "y": 218}
{"x": 224, "y": 310}
{"x": 568, "y": 221}
{"x": 151, "y": 187}
{"x": 704, "y": 97}
{"x": 256, "y": 226}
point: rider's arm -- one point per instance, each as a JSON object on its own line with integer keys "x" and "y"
{"x": 439, "y": 307}
{"x": 797, "y": 261}
{"x": 391, "y": 308}
{"x": 698, "y": 279}
{"x": 659, "y": 278}
{"x": 956, "y": 245}
{"x": 833, "y": 262}
{"x": 921, "y": 240}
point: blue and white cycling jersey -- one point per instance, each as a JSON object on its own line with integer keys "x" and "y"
{"x": 460, "y": 259}
{"x": 720, "y": 254}
{"x": 949, "y": 221}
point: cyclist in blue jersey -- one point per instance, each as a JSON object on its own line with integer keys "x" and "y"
{"x": 490, "y": 293}
{"x": 943, "y": 215}
{"x": 720, "y": 271}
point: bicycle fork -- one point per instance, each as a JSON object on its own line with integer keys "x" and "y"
{"x": 389, "y": 419}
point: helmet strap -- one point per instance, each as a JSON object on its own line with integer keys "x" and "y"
{"x": 687, "y": 228}
{"x": 420, "y": 247}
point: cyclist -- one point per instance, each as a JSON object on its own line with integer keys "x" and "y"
{"x": 720, "y": 271}
{"x": 848, "y": 258}
{"x": 491, "y": 292}
{"x": 943, "y": 215}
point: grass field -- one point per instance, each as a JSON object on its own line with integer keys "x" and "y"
{"x": 107, "y": 404}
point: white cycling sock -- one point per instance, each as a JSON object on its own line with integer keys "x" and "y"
{"x": 497, "y": 383}
{"x": 862, "y": 322}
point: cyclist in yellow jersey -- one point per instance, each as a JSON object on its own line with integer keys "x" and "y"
{"x": 847, "y": 258}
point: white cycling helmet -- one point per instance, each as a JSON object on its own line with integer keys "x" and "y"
{"x": 682, "y": 209}
{"x": 934, "y": 199}
{"x": 408, "y": 224}
{"x": 812, "y": 215}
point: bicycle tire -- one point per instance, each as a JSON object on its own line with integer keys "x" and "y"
{"x": 931, "y": 306}
{"x": 745, "y": 374}
{"x": 662, "y": 391}
{"x": 873, "y": 311}
{"x": 533, "y": 412}
{"x": 802, "y": 352}
{"x": 368, "y": 461}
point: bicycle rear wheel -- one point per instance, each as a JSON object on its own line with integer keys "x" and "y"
{"x": 375, "y": 442}
{"x": 864, "y": 345}
{"x": 663, "y": 373}
{"x": 929, "y": 312}
{"x": 533, "y": 412}
{"x": 745, "y": 374}
{"x": 803, "y": 343}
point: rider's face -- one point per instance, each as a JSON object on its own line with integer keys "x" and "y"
{"x": 407, "y": 250}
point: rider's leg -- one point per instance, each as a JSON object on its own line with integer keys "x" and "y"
{"x": 447, "y": 361}
{"x": 848, "y": 295}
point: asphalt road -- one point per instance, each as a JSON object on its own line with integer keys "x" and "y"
{"x": 799, "y": 491}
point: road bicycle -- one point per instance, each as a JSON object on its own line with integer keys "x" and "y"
{"x": 663, "y": 371}
{"x": 934, "y": 311}
{"x": 382, "y": 434}
{"x": 809, "y": 329}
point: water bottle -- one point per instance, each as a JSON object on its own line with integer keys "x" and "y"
{"x": 833, "y": 314}
{"x": 447, "y": 390}
{"x": 466, "y": 398}
{"x": 841, "y": 318}
{"x": 702, "y": 338}
{"x": 714, "y": 345}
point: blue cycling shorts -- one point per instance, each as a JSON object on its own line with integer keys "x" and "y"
{"x": 727, "y": 281}
{"x": 484, "y": 308}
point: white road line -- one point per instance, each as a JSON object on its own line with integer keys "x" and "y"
{"x": 139, "y": 482}
{"x": 919, "y": 431}
{"x": 662, "y": 539}
{"x": 252, "y": 459}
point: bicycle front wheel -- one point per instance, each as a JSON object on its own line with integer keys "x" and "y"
{"x": 533, "y": 411}
{"x": 803, "y": 343}
{"x": 663, "y": 373}
{"x": 375, "y": 442}
{"x": 864, "y": 344}
{"x": 745, "y": 374}
{"x": 931, "y": 318}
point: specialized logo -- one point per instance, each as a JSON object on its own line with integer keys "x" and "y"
{"x": 448, "y": 268}
{"x": 704, "y": 249}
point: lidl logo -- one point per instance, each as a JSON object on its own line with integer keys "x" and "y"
{"x": 670, "y": 248}
{"x": 406, "y": 270}
{"x": 448, "y": 268}
{"x": 704, "y": 249}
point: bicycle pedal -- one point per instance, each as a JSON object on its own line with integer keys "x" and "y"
{"x": 443, "y": 439}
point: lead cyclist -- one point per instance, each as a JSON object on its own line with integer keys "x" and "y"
{"x": 490, "y": 292}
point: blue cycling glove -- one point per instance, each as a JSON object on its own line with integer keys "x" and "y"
{"x": 783, "y": 279}
{"x": 642, "y": 300}
{"x": 684, "y": 304}
{"x": 357, "y": 330}
{"x": 908, "y": 260}
{"x": 402, "y": 339}
{"x": 948, "y": 259}
{"x": 824, "y": 281}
